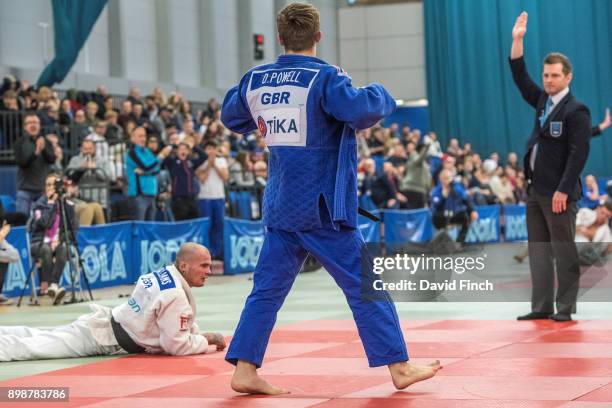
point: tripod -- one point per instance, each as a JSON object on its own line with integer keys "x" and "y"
{"x": 68, "y": 241}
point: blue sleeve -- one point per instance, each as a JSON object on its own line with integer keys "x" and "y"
{"x": 361, "y": 108}
{"x": 235, "y": 113}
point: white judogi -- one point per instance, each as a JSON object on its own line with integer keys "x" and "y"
{"x": 159, "y": 316}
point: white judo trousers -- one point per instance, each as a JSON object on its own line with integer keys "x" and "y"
{"x": 72, "y": 340}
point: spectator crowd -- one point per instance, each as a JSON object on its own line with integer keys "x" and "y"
{"x": 169, "y": 161}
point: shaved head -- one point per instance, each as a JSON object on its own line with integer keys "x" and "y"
{"x": 193, "y": 262}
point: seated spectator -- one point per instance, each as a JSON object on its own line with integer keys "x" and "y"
{"x": 376, "y": 142}
{"x": 451, "y": 205}
{"x": 48, "y": 242}
{"x": 141, "y": 118}
{"x": 98, "y": 136}
{"x": 34, "y": 156}
{"x": 87, "y": 161}
{"x": 591, "y": 193}
{"x": 241, "y": 171}
{"x": 87, "y": 212}
{"x": 593, "y": 231}
{"x": 188, "y": 131}
{"x": 512, "y": 161}
{"x": 399, "y": 156}
{"x": 134, "y": 95}
{"x": 185, "y": 186}
{"x": 502, "y": 188}
{"x": 480, "y": 185}
{"x": 114, "y": 132}
{"x": 454, "y": 149}
{"x": 8, "y": 254}
{"x": 380, "y": 188}
{"x": 79, "y": 129}
{"x": 125, "y": 115}
{"x": 213, "y": 174}
{"x": 106, "y": 107}
{"x": 417, "y": 178}
{"x": 91, "y": 113}
{"x": 58, "y": 165}
{"x": 260, "y": 169}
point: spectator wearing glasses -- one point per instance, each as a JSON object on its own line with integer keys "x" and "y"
{"x": 34, "y": 156}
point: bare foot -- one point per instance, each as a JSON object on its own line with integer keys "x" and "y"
{"x": 405, "y": 374}
{"x": 246, "y": 380}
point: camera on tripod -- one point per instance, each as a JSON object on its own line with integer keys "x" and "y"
{"x": 60, "y": 185}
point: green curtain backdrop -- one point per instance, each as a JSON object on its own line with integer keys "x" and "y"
{"x": 72, "y": 22}
{"x": 470, "y": 89}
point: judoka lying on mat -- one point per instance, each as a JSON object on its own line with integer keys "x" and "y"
{"x": 158, "y": 318}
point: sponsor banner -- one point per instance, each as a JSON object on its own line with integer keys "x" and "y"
{"x": 370, "y": 230}
{"x": 242, "y": 242}
{"x": 516, "y": 223}
{"x": 156, "y": 243}
{"x": 486, "y": 227}
{"x": 403, "y": 226}
{"x": 16, "y": 274}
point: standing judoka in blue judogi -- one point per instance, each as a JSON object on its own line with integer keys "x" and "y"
{"x": 307, "y": 111}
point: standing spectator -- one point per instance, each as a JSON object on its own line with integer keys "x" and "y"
{"x": 8, "y": 254}
{"x": 34, "y": 156}
{"x": 213, "y": 175}
{"x": 184, "y": 184}
{"x": 417, "y": 179}
{"x": 141, "y": 169}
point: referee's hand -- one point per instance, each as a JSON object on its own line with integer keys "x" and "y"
{"x": 559, "y": 202}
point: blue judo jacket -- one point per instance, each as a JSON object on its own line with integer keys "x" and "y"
{"x": 307, "y": 111}
{"x": 457, "y": 201}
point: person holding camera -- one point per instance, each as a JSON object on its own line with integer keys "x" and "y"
{"x": 48, "y": 240}
{"x": 141, "y": 168}
{"x": 185, "y": 187}
{"x": 450, "y": 205}
{"x": 87, "y": 161}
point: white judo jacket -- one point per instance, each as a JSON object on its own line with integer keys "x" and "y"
{"x": 159, "y": 316}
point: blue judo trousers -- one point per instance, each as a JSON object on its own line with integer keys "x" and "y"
{"x": 307, "y": 111}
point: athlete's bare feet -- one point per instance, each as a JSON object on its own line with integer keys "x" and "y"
{"x": 246, "y": 380}
{"x": 405, "y": 374}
